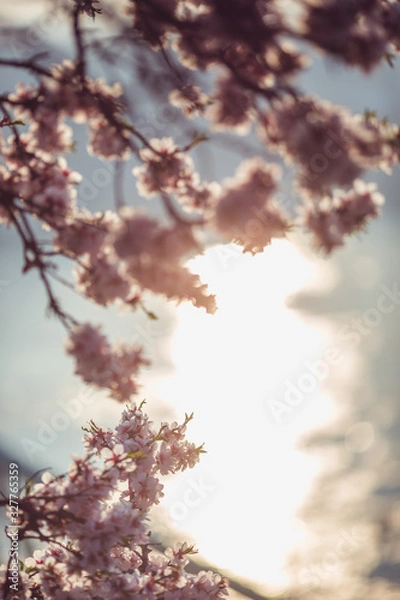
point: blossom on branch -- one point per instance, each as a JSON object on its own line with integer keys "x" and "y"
{"x": 190, "y": 99}
{"x": 101, "y": 365}
{"x": 165, "y": 168}
{"x": 333, "y": 219}
{"x": 94, "y": 519}
{"x": 246, "y": 211}
{"x": 153, "y": 256}
{"x": 231, "y": 107}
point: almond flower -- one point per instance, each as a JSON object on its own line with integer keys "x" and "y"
{"x": 104, "y": 366}
{"x": 246, "y": 211}
{"x": 165, "y": 168}
{"x": 333, "y": 219}
{"x": 231, "y": 107}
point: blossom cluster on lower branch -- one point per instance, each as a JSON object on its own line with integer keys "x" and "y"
{"x": 92, "y": 521}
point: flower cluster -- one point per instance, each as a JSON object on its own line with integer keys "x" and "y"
{"x": 153, "y": 255}
{"x": 165, "y": 168}
{"x": 334, "y": 219}
{"x": 246, "y": 210}
{"x": 101, "y": 365}
{"x": 231, "y": 109}
{"x": 330, "y": 147}
{"x": 359, "y": 33}
{"x": 94, "y": 519}
{"x": 83, "y": 234}
{"x": 190, "y": 99}
{"x": 64, "y": 94}
{"x": 119, "y": 255}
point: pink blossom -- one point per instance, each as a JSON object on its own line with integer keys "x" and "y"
{"x": 231, "y": 107}
{"x": 47, "y": 189}
{"x": 105, "y": 141}
{"x": 103, "y": 366}
{"x": 101, "y": 279}
{"x": 333, "y": 219}
{"x": 190, "y": 99}
{"x": 200, "y": 197}
{"x": 98, "y": 536}
{"x": 165, "y": 168}
{"x": 83, "y": 233}
{"x": 171, "y": 280}
{"x": 148, "y": 20}
{"x": 48, "y": 134}
{"x": 246, "y": 211}
{"x": 153, "y": 257}
{"x": 352, "y": 33}
{"x": 317, "y": 136}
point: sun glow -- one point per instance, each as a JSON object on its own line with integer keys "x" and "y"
{"x": 239, "y": 504}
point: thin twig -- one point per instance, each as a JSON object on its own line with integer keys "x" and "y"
{"x": 174, "y": 213}
{"x": 119, "y": 184}
{"x": 25, "y": 64}
{"x": 30, "y": 246}
{"x": 80, "y": 53}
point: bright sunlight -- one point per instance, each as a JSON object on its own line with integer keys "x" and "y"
{"x": 226, "y": 369}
